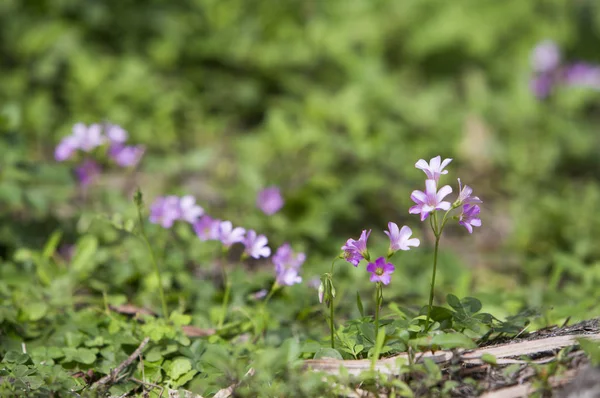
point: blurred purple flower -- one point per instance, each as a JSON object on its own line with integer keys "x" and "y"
{"x": 261, "y": 294}
{"x": 542, "y": 85}
{"x": 434, "y": 168}
{"x": 165, "y": 211}
{"x": 269, "y": 200}
{"x": 256, "y": 245}
{"x": 88, "y": 138}
{"x": 430, "y": 200}
{"x": 464, "y": 195}
{"x": 229, "y": 235}
{"x": 189, "y": 210}
{"x": 66, "y": 148}
{"x": 115, "y": 133}
{"x": 381, "y": 271}
{"x": 287, "y": 265}
{"x": 87, "y": 172}
{"x": 288, "y": 277}
{"x": 207, "y": 228}
{"x": 545, "y": 57}
{"x": 582, "y": 74}
{"x": 126, "y": 155}
{"x": 285, "y": 257}
{"x": 400, "y": 238}
{"x": 469, "y": 218}
{"x": 356, "y": 250}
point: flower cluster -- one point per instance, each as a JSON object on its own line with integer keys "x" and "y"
{"x": 287, "y": 265}
{"x": 432, "y": 199}
{"x": 354, "y": 251}
{"x": 89, "y": 138}
{"x": 548, "y": 72}
{"x": 166, "y": 210}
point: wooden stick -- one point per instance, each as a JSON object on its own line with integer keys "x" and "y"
{"x": 113, "y": 374}
{"x": 505, "y": 354}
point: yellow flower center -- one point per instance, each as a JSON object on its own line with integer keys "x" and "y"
{"x": 379, "y": 271}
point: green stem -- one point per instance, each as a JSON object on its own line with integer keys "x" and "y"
{"x": 331, "y": 310}
{"x": 331, "y": 324}
{"x": 271, "y": 292}
{"x": 154, "y": 262}
{"x": 226, "y": 293}
{"x": 435, "y": 256}
{"x": 438, "y": 234}
{"x": 378, "y": 300}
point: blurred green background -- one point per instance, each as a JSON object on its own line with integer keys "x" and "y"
{"x": 334, "y": 101}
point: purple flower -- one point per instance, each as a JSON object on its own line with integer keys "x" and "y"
{"x": 87, "y": 172}
{"x": 434, "y": 168}
{"x": 287, "y": 265}
{"x": 88, "y": 138}
{"x": 207, "y": 228}
{"x": 545, "y": 57}
{"x": 65, "y": 149}
{"x": 229, "y": 235}
{"x": 430, "y": 200}
{"x": 269, "y": 200}
{"x": 115, "y": 133}
{"x": 541, "y": 85}
{"x": 126, "y": 155}
{"x": 262, "y": 293}
{"x": 582, "y": 74}
{"x": 165, "y": 211}
{"x": 399, "y": 238}
{"x": 469, "y": 217}
{"x": 189, "y": 211}
{"x": 288, "y": 277}
{"x": 356, "y": 250}
{"x": 381, "y": 271}
{"x": 464, "y": 195}
{"x": 285, "y": 257}
{"x": 256, "y": 246}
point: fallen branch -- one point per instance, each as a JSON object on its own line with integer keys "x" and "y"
{"x": 113, "y": 374}
{"x": 504, "y": 354}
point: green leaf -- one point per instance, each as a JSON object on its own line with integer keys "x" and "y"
{"x": 368, "y": 332}
{"x": 359, "y": 304}
{"x": 83, "y": 259}
{"x": 85, "y": 355}
{"x": 311, "y": 347}
{"x": 180, "y": 319}
{"x": 489, "y": 358}
{"x": 179, "y": 366}
{"x": 440, "y": 313}
{"x": 35, "y": 311}
{"x": 184, "y": 379}
{"x": 592, "y": 349}
{"x": 470, "y": 305}
{"x": 55, "y": 352}
{"x": 378, "y": 346}
{"x": 153, "y": 355}
{"x": 15, "y": 357}
{"x": 52, "y": 244}
{"x": 328, "y": 353}
{"x": 452, "y": 340}
{"x": 453, "y": 301}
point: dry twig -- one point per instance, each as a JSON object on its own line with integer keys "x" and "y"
{"x": 113, "y": 374}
